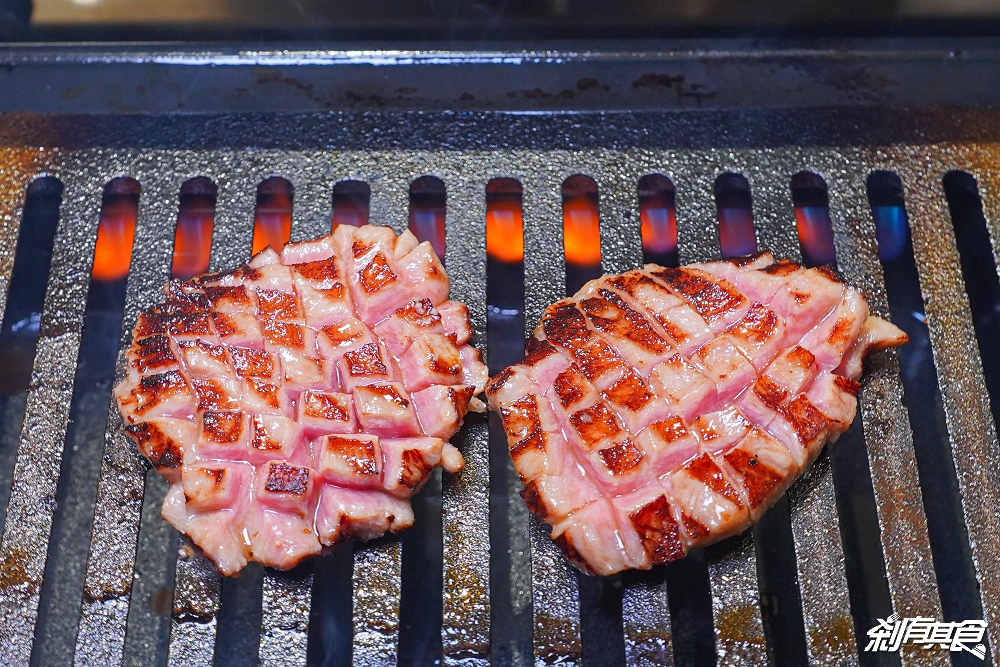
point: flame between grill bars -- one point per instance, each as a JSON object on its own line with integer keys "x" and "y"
{"x": 126, "y": 603}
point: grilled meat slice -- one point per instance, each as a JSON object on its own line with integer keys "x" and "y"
{"x": 302, "y": 398}
{"x": 665, "y": 409}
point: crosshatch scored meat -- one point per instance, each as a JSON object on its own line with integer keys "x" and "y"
{"x": 302, "y": 398}
{"x": 665, "y": 409}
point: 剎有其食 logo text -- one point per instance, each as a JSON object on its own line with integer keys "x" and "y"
{"x": 893, "y": 632}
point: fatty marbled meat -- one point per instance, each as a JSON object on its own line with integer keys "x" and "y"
{"x": 665, "y": 409}
{"x": 304, "y": 397}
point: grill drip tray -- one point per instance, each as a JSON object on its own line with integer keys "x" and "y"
{"x": 114, "y": 585}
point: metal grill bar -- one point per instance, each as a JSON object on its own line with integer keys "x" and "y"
{"x": 110, "y": 567}
{"x": 889, "y": 441}
{"x": 285, "y": 623}
{"x": 197, "y": 587}
{"x": 17, "y": 167}
{"x": 956, "y": 355}
{"x": 28, "y": 525}
{"x": 466, "y": 606}
{"x": 645, "y": 613}
{"x": 378, "y": 568}
{"x": 739, "y": 631}
{"x": 195, "y": 608}
{"x": 815, "y": 524}
{"x": 555, "y": 596}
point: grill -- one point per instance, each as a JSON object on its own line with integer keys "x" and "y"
{"x": 477, "y": 582}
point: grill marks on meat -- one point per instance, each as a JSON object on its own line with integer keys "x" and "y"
{"x": 303, "y": 398}
{"x": 664, "y": 409}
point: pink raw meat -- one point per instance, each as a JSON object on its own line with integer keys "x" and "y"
{"x": 665, "y": 409}
{"x": 302, "y": 398}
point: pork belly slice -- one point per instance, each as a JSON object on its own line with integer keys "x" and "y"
{"x": 281, "y": 539}
{"x": 410, "y": 322}
{"x": 264, "y": 397}
{"x": 164, "y": 442}
{"x": 303, "y": 372}
{"x": 215, "y": 485}
{"x": 763, "y": 468}
{"x": 217, "y": 393}
{"x": 335, "y": 340}
{"x": 408, "y": 463}
{"x": 717, "y": 301}
{"x": 265, "y": 271}
{"x": 455, "y": 321}
{"x": 297, "y": 253}
{"x": 706, "y": 501}
{"x": 594, "y": 541}
{"x": 441, "y": 409}
{"x": 223, "y": 434}
{"x": 275, "y": 437}
{"x": 283, "y": 486}
{"x": 639, "y": 343}
{"x": 651, "y": 517}
{"x": 232, "y": 299}
{"x": 368, "y": 364}
{"x": 352, "y": 514}
{"x": 423, "y": 274}
{"x": 280, "y": 336}
{"x": 668, "y": 444}
{"x": 431, "y": 359}
{"x": 304, "y": 397}
{"x": 350, "y": 460}
{"x": 156, "y": 395}
{"x": 239, "y": 329}
{"x": 203, "y": 359}
{"x": 151, "y": 355}
{"x": 474, "y": 370}
{"x": 322, "y": 412}
{"x": 278, "y": 305}
{"x": 689, "y": 399}
{"x": 718, "y": 430}
{"x": 386, "y": 410}
{"x": 253, "y": 363}
{"x": 687, "y": 389}
{"x": 218, "y": 534}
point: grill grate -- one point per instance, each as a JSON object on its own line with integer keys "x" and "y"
{"x": 132, "y": 606}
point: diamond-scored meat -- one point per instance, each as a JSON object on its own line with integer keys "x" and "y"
{"x": 302, "y": 398}
{"x": 665, "y": 409}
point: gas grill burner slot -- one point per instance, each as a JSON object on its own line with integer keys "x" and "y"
{"x": 735, "y": 215}
{"x": 195, "y": 222}
{"x": 898, "y": 516}
{"x": 350, "y": 203}
{"x": 272, "y": 220}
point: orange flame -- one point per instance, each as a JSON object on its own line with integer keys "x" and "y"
{"x": 659, "y": 226}
{"x": 272, "y": 225}
{"x": 581, "y": 230}
{"x": 193, "y": 242}
{"x": 505, "y": 230}
{"x": 115, "y": 234}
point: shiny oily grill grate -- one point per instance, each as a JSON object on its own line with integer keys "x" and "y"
{"x": 129, "y": 593}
